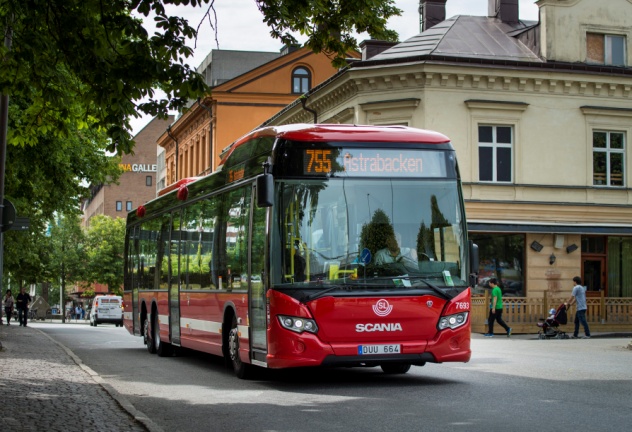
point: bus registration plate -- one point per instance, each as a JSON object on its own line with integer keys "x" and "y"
{"x": 379, "y": 349}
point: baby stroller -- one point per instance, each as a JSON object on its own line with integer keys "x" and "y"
{"x": 549, "y": 328}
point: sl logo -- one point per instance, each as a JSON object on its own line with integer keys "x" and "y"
{"x": 382, "y": 308}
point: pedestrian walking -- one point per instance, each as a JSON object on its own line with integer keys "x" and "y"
{"x": 23, "y": 300}
{"x": 496, "y": 309}
{"x": 8, "y": 306}
{"x": 578, "y": 295}
{"x": 77, "y": 312}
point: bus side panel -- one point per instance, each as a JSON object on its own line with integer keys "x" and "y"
{"x": 202, "y": 317}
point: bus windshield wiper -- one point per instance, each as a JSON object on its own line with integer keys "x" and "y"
{"x": 322, "y": 292}
{"x": 431, "y": 286}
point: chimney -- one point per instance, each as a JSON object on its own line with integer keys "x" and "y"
{"x": 373, "y": 47}
{"x": 287, "y": 49}
{"x": 504, "y": 10}
{"x": 432, "y": 13}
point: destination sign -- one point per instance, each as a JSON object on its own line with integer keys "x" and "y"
{"x": 356, "y": 162}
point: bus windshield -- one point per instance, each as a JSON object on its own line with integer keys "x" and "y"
{"x": 370, "y": 232}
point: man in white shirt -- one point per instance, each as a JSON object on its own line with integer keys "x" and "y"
{"x": 579, "y": 296}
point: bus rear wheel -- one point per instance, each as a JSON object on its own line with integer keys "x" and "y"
{"x": 241, "y": 369}
{"x": 147, "y": 336}
{"x": 395, "y": 368}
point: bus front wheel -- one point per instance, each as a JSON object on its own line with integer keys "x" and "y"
{"x": 241, "y": 369}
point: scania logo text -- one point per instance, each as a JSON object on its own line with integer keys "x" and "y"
{"x": 387, "y": 327}
{"x": 382, "y": 308}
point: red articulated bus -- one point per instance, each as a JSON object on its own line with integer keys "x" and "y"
{"x": 311, "y": 245}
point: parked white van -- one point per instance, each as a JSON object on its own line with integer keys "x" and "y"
{"x": 107, "y": 309}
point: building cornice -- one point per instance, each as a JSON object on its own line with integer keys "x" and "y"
{"x": 426, "y": 75}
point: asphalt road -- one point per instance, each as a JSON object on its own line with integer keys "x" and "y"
{"x": 517, "y": 384}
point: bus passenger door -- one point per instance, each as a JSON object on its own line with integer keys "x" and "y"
{"x": 257, "y": 296}
{"x": 174, "y": 279}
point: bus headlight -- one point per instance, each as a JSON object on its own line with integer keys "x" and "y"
{"x": 453, "y": 321}
{"x": 298, "y": 325}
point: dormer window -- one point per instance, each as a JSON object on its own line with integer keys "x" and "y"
{"x": 605, "y": 49}
{"x": 301, "y": 80}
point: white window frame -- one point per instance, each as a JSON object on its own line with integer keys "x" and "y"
{"x": 608, "y": 49}
{"x": 491, "y": 112}
{"x": 495, "y": 146}
{"x": 612, "y": 120}
{"x": 609, "y": 151}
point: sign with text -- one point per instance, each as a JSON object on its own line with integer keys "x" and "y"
{"x": 363, "y": 162}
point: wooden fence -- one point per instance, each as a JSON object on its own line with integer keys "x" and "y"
{"x": 604, "y": 314}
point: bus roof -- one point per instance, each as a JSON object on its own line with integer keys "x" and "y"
{"x": 342, "y": 132}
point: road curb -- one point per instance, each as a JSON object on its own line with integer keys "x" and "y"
{"x": 138, "y": 416}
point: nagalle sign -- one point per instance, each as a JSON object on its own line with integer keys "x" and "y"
{"x": 138, "y": 167}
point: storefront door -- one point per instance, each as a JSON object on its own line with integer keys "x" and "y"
{"x": 594, "y": 275}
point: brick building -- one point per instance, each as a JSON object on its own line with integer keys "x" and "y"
{"x": 137, "y": 184}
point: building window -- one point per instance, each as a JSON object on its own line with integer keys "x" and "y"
{"x": 608, "y": 158}
{"x": 619, "y": 270}
{"x": 119, "y": 206}
{"x": 605, "y": 49}
{"x": 494, "y": 153}
{"x": 301, "y": 80}
{"x": 148, "y": 181}
{"x": 502, "y": 257}
{"x": 128, "y": 206}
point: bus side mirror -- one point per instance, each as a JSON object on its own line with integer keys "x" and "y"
{"x": 474, "y": 263}
{"x": 265, "y": 190}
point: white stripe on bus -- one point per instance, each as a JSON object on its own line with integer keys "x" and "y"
{"x": 203, "y": 325}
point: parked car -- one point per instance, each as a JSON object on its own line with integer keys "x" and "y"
{"x": 106, "y": 309}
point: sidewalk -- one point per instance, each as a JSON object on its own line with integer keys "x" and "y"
{"x": 44, "y": 386}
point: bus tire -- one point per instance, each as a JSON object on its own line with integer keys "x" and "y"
{"x": 395, "y": 368}
{"x": 148, "y": 335}
{"x": 241, "y": 369}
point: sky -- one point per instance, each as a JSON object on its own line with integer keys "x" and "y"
{"x": 240, "y": 27}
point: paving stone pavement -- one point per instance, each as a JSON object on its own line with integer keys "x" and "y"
{"x": 43, "y": 387}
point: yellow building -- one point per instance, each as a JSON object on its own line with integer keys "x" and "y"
{"x": 539, "y": 114}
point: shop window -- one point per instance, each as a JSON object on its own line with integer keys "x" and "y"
{"x": 605, "y": 49}
{"x": 593, "y": 245}
{"x": 502, "y": 257}
{"x": 495, "y": 145}
{"x": 301, "y": 80}
{"x": 619, "y": 269}
{"x": 608, "y": 158}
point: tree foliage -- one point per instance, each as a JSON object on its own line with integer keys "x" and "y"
{"x": 329, "y": 24}
{"x": 105, "y": 252}
{"x": 88, "y": 63}
{"x": 67, "y": 251}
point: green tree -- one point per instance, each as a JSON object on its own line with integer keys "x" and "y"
{"x": 67, "y": 246}
{"x": 87, "y": 63}
{"x": 329, "y": 24}
{"x": 105, "y": 249}
{"x": 48, "y": 179}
